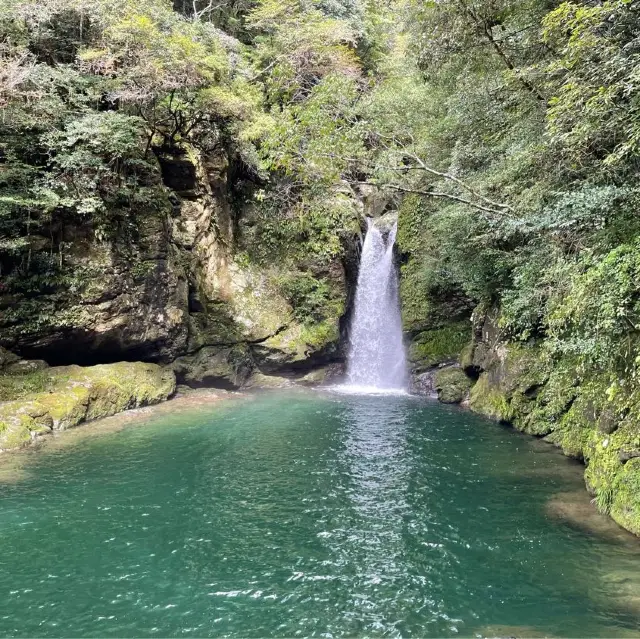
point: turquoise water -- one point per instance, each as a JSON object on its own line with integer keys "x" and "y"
{"x": 304, "y": 514}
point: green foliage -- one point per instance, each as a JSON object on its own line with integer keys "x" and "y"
{"x": 312, "y": 298}
{"x": 89, "y": 93}
{"x": 297, "y": 46}
{"x": 598, "y": 319}
{"x": 594, "y": 114}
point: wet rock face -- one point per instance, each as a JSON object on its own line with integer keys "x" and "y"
{"x": 169, "y": 283}
{"x": 424, "y": 384}
{"x": 124, "y": 298}
{"x": 241, "y": 321}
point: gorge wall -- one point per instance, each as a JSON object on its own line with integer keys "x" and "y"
{"x": 177, "y": 285}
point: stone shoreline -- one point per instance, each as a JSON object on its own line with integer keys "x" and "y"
{"x": 54, "y": 399}
{"x": 38, "y": 400}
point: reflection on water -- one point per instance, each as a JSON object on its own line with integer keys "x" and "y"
{"x": 375, "y": 464}
{"x": 306, "y": 514}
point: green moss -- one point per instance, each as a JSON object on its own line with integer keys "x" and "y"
{"x": 625, "y": 502}
{"x": 14, "y": 386}
{"x": 312, "y": 298}
{"x": 300, "y": 341}
{"x": 67, "y": 405}
{"x": 440, "y": 345}
{"x": 466, "y": 356}
{"x": 452, "y": 385}
{"x": 574, "y": 429}
{"x": 489, "y": 400}
{"x": 417, "y": 306}
{"x": 17, "y": 435}
{"x": 510, "y": 388}
{"x": 321, "y": 335}
{"x": 258, "y": 380}
{"x": 70, "y": 395}
{"x": 19, "y": 420}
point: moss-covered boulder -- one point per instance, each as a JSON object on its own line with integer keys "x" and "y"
{"x": 63, "y": 397}
{"x": 217, "y": 367}
{"x": 300, "y": 347}
{"x": 452, "y": 385}
{"x": 438, "y": 346}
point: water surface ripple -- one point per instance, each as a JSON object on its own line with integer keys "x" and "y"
{"x": 305, "y": 514}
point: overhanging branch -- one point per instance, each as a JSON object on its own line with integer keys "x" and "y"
{"x": 439, "y": 195}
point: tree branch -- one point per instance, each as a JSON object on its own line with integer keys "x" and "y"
{"x": 490, "y": 205}
{"x": 460, "y": 183}
{"x": 438, "y": 195}
{"x": 485, "y": 28}
{"x": 266, "y": 70}
{"x": 210, "y": 8}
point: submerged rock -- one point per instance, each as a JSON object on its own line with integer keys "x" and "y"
{"x": 576, "y": 509}
{"x": 62, "y": 397}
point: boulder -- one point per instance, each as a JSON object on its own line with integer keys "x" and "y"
{"x": 452, "y": 385}
{"x": 215, "y": 367}
{"x": 63, "y": 397}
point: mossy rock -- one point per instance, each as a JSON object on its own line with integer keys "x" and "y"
{"x": 299, "y": 347}
{"x": 213, "y": 326}
{"x": 227, "y": 367}
{"x": 612, "y": 475}
{"x": 508, "y": 390}
{"x": 625, "y": 506}
{"x": 488, "y": 399}
{"x": 17, "y": 385}
{"x": 258, "y": 380}
{"x": 452, "y": 385}
{"x": 466, "y": 357}
{"x": 62, "y": 397}
{"x": 7, "y": 358}
{"x": 438, "y": 346}
{"x": 323, "y": 375}
{"x": 594, "y": 419}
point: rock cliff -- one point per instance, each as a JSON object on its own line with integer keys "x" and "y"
{"x": 174, "y": 283}
{"x": 520, "y": 384}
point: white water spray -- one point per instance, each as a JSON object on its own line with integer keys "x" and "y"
{"x": 376, "y": 353}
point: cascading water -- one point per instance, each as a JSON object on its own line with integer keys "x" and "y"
{"x": 376, "y": 352}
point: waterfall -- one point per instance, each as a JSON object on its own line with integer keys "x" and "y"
{"x": 376, "y": 353}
